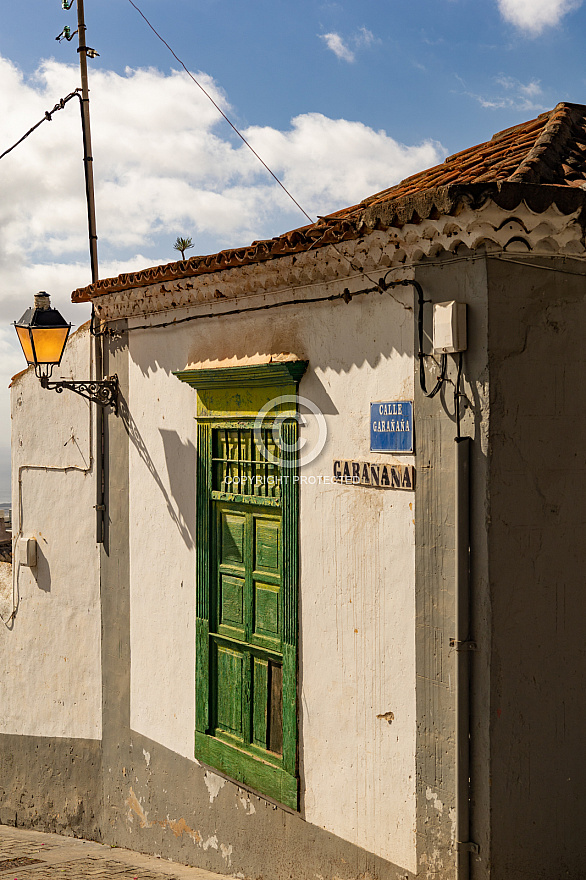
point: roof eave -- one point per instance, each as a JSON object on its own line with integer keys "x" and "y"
{"x": 428, "y": 204}
{"x": 450, "y": 199}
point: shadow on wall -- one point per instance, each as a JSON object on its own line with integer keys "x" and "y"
{"x": 337, "y": 336}
{"x": 42, "y": 572}
{"x": 180, "y": 458}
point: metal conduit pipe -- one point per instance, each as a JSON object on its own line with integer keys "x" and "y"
{"x": 463, "y": 647}
{"x": 461, "y": 641}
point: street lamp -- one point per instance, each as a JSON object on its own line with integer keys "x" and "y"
{"x": 43, "y": 332}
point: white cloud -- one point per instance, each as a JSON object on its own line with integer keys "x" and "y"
{"x": 534, "y": 16}
{"x": 365, "y": 37}
{"x": 362, "y": 39}
{"x": 165, "y": 164}
{"x": 511, "y": 94}
{"x": 335, "y": 42}
{"x": 321, "y": 157}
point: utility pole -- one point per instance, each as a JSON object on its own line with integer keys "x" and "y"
{"x": 87, "y": 141}
{"x": 83, "y": 51}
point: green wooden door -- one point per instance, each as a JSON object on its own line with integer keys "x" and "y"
{"x": 246, "y": 573}
{"x": 246, "y": 695}
{"x": 246, "y": 654}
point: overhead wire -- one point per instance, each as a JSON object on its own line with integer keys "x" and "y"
{"x": 457, "y": 395}
{"x": 221, "y": 112}
{"x": 77, "y": 93}
{"x": 63, "y": 101}
{"x": 347, "y": 295}
{"x": 46, "y": 118}
{"x": 243, "y": 139}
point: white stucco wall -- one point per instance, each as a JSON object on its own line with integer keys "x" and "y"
{"x": 357, "y": 605}
{"x": 162, "y": 536}
{"x": 50, "y": 651}
{"x": 357, "y": 595}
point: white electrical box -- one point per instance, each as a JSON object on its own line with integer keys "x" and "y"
{"x": 449, "y": 327}
{"x": 27, "y": 552}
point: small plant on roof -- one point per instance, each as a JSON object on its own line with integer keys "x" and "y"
{"x": 183, "y": 244}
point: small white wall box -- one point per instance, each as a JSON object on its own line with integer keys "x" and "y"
{"x": 449, "y": 327}
{"x": 27, "y": 552}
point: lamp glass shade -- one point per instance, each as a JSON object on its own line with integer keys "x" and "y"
{"x": 25, "y": 340}
{"x": 42, "y": 332}
{"x": 48, "y": 344}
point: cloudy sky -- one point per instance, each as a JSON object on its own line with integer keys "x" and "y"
{"x": 341, "y": 99}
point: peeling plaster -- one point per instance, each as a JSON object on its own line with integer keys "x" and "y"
{"x": 179, "y": 827}
{"x": 432, "y": 863}
{"x": 214, "y": 784}
{"x": 365, "y": 875}
{"x": 147, "y": 757}
{"x": 226, "y": 852}
{"x": 134, "y": 806}
{"x": 5, "y": 590}
{"x": 247, "y": 804}
{"x": 432, "y": 796}
{"x": 452, "y": 815}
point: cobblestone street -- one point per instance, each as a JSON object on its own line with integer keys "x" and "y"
{"x": 33, "y": 855}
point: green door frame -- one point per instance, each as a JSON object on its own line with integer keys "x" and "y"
{"x": 235, "y": 395}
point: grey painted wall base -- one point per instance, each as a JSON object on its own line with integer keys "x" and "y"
{"x": 165, "y": 807}
{"x": 51, "y": 784}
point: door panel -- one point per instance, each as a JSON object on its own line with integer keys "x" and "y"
{"x": 232, "y": 549}
{"x": 232, "y": 603}
{"x": 260, "y": 704}
{"x": 275, "y": 719}
{"x": 246, "y": 633}
{"x": 266, "y": 541}
{"x": 229, "y": 690}
{"x": 266, "y": 610}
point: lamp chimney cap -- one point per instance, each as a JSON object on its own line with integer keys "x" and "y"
{"x": 42, "y": 300}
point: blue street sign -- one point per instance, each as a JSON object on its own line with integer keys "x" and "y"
{"x": 391, "y": 426}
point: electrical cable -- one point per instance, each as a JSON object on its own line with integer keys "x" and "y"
{"x": 9, "y": 623}
{"x": 219, "y": 109}
{"x": 502, "y": 258}
{"x": 63, "y": 101}
{"x": 77, "y": 93}
{"x": 243, "y": 139}
{"x": 421, "y": 355}
{"x": 457, "y": 395}
{"x": 382, "y": 286}
{"x": 421, "y": 301}
{"x": 445, "y": 263}
{"x": 46, "y": 118}
{"x": 347, "y": 296}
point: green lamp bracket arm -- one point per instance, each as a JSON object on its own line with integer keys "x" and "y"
{"x": 103, "y": 392}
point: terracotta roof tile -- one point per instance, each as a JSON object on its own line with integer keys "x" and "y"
{"x": 550, "y": 149}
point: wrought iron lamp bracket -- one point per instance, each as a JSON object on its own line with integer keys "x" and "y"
{"x": 103, "y": 392}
